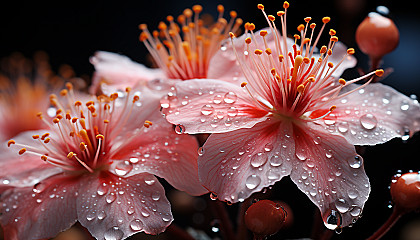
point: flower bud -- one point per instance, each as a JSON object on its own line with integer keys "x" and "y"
{"x": 405, "y": 191}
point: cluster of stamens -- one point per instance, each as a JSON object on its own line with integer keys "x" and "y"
{"x": 293, "y": 83}
{"x": 187, "y": 55}
{"x": 77, "y": 138}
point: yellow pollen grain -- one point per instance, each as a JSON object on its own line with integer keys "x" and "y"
{"x": 10, "y": 142}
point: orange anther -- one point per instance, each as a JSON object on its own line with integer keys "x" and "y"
{"x": 56, "y": 120}
{"x": 248, "y": 40}
{"x": 143, "y": 37}
{"x": 22, "y": 151}
{"x": 70, "y": 155}
{"x": 47, "y": 140}
{"x": 286, "y": 4}
{"x": 332, "y": 108}
{"x": 143, "y": 26}
{"x": 77, "y": 103}
{"x": 258, "y": 51}
{"x": 329, "y": 52}
{"x": 323, "y": 49}
{"x": 82, "y": 146}
{"x": 231, "y": 35}
{"x": 187, "y": 12}
{"x": 280, "y": 13}
{"x": 100, "y": 136}
{"x": 170, "y": 18}
{"x": 307, "y": 19}
{"x": 330, "y": 65}
{"x": 136, "y": 98}
{"x": 69, "y": 85}
{"x": 301, "y": 27}
{"x": 350, "y": 51}
{"x": 271, "y": 18}
{"x": 74, "y": 120}
{"x": 342, "y": 81}
{"x": 312, "y": 26}
{"x": 44, "y": 158}
{"x": 35, "y": 136}
{"x": 220, "y": 8}
{"x": 268, "y": 51}
{"x": 300, "y": 88}
{"x": 263, "y": 33}
{"x": 197, "y": 8}
{"x": 311, "y": 79}
{"x": 306, "y": 60}
{"x": 332, "y": 32}
{"x": 379, "y": 72}
{"x": 233, "y": 14}
{"x": 260, "y": 6}
{"x": 281, "y": 57}
{"x": 44, "y": 136}
{"x": 251, "y": 27}
{"x": 326, "y": 19}
{"x": 334, "y": 39}
{"x": 243, "y": 84}
{"x": 10, "y": 142}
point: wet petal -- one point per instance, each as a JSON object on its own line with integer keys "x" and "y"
{"x": 373, "y": 115}
{"x": 212, "y": 106}
{"x": 116, "y": 208}
{"x": 330, "y": 172}
{"x": 236, "y": 164}
{"x": 41, "y": 211}
{"x": 118, "y": 72}
{"x": 161, "y": 151}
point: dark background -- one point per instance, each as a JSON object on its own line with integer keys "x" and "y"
{"x": 70, "y": 32}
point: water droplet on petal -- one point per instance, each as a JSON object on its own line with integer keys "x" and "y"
{"x": 356, "y": 162}
{"x": 122, "y": 168}
{"x": 333, "y": 220}
{"x": 200, "y": 151}
{"x": 101, "y": 215}
{"x": 131, "y": 210}
{"x": 356, "y": 211}
{"x": 230, "y": 97}
{"x": 217, "y": 99}
{"x": 39, "y": 187}
{"x": 343, "y": 127}
{"x": 275, "y": 161}
{"x": 102, "y": 189}
{"x": 301, "y": 155}
{"x": 149, "y": 180}
{"x": 180, "y": 129}
{"x": 207, "y": 109}
{"x": 258, "y": 160}
{"x": 156, "y": 196}
{"x": 405, "y": 105}
{"x": 136, "y": 225}
{"x": 213, "y": 196}
{"x": 164, "y": 103}
{"x": 114, "y": 233}
{"x": 268, "y": 147}
{"x": 110, "y": 198}
{"x": 90, "y": 216}
{"x": 232, "y": 112}
{"x": 368, "y": 121}
{"x": 252, "y": 182}
{"x": 341, "y": 205}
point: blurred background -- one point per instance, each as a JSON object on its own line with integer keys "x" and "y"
{"x": 71, "y": 31}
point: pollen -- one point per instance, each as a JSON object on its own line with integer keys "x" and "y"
{"x": 22, "y": 151}
{"x": 350, "y": 51}
{"x": 70, "y": 155}
{"x": 342, "y": 81}
{"x": 286, "y": 5}
{"x": 100, "y": 136}
{"x": 263, "y": 33}
{"x": 379, "y": 72}
{"x": 243, "y": 84}
{"x": 260, "y": 6}
{"x": 10, "y": 142}
{"x": 332, "y": 108}
{"x": 326, "y": 19}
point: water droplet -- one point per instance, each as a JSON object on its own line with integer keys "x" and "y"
{"x": 180, "y": 129}
{"x": 333, "y": 220}
{"x": 352, "y": 193}
{"x": 131, "y": 210}
{"x": 341, "y": 205}
{"x": 39, "y": 187}
{"x": 301, "y": 155}
{"x": 258, "y": 160}
{"x": 275, "y": 161}
{"x": 356, "y": 162}
{"x": 110, "y": 198}
{"x": 200, "y": 151}
{"x": 273, "y": 174}
{"x": 223, "y": 48}
{"x": 156, "y": 196}
{"x": 368, "y": 121}
{"x": 207, "y": 109}
{"x": 165, "y": 103}
{"x": 343, "y": 127}
{"x": 144, "y": 213}
{"x": 230, "y": 97}
{"x": 136, "y": 225}
{"x": 149, "y": 180}
{"x": 5, "y": 181}
{"x": 241, "y": 196}
{"x": 122, "y": 168}
{"x": 356, "y": 211}
{"x": 102, "y": 189}
{"x": 232, "y": 112}
{"x": 216, "y": 99}
{"x": 252, "y": 182}
{"x": 101, "y": 215}
{"x": 158, "y": 84}
{"x": 90, "y": 216}
{"x": 268, "y": 147}
{"x": 405, "y": 105}
{"x": 114, "y": 233}
{"x": 213, "y": 196}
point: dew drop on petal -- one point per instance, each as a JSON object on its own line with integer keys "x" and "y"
{"x": 122, "y": 168}
{"x": 258, "y": 160}
{"x": 268, "y": 147}
{"x": 333, "y": 220}
{"x": 252, "y": 181}
{"x": 149, "y": 180}
{"x": 110, "y": 198}
{"x": 343, "y": 127}
{"x": 114, "y": 233}
{"x": 131, "y": 210}
{"x": 341, "y": 205}
{"x": 275, "y": 161}
{"x": 164, "y": 103}
{"x": 405, "y": 105}
{"x": 200, "y": 151}
{"x": 180, "y": 129}
{"x": 368, "y": 121}
{"x": 213, "y": 196}
{"x": 207, "y": 109}
{"x": 301, "y": 155}
{"x": 156, "y": 196}
{"x": 39, "y": 187}
{"x": 232, "y": 112}
{"x": 90, "y": 216}
{"x": 102, "y": 189}
{"x": 136, "y": 225}
{"x": 355, "y": 162}
{"x": 356, "y": 211}
{"x": 217, "y": 99}
{"x": 230, "y": 97}
{"x": 101, "y": 215}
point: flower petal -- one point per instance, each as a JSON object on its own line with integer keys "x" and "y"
{"x": 159, "y": 150}
{"x": 373, "y": 115}
{"x": 116, "y": 208}
{"x": 212, "y": 106}
{"x": 328, "y": 169}
{"x": 41, "y": 211}
{"x": 236, "y": 164}
{"x": 118, "y": 71}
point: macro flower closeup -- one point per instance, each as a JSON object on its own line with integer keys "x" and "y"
{"x": 291, "y": 115}
{"x": 95, "y": 163}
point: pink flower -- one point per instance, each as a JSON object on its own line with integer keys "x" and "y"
{"x": 96, "y": 165}
{"x": 291, "y": 116}
{"x": 179, "y": 56}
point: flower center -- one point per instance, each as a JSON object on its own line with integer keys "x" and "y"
{"x": 290, "y": 79}
{"x": 81, "y": 134}
{"x": 187, "y": 55}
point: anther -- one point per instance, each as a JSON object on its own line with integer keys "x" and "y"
{"x": 332, "y": 32}
{"x": 69, "y": 86}
{"x": 197, "y": 8}
{"x": 56, "y": 120}
{"x": 47, "y": 140}
{"x": 78, "y": 104}
{"x": 281, "y": 57}
{"x": 231, "y": 35}
{"x": 243, "y": 84}
{"x": 22, "y": 151}
{"x": 100, "y": 136}
{"x": 326, "y": 19}
{"x": 271, "y": 18}
{"x": 260, "y": 6}
{"x": 323, "y": 49}
{"x": 330, "y": 65}
{"x": 332, "y": 108}
{"x": 147, "y": 124}
{"x": 342, "y": 81}
{"x": 143, "y": 37}
{"x": 220, "y": 8}
{"x": 82, "y": 146}
{"x": 258, "y": 51}
{"x": 35, "y": 136}
{"x": 251, "y": 27}
{"x": 44, "y": 158}
{"x": 300, "y": 88}
{"x": 248, "y": 40}
{"x": 63, "y": 92}
{"x": 136, "y": 98}
{"x": 10, "y": 142}
{"x": 70, "y": 155}
{"x": 350, "y": 51}
{"x": 286, "y": 4}
{"x": 44, "y": 136}
{"x": 268, "y": 51}
{"x": 143, "y": 26}
{"x": 263, "y": 33}
{"x": 280, "y": 13}
{"x": 39, "y": 114}
{"x": 307, "y": 19}
{"x": 334, "y": 39}
{"x": 233, "y": 14}
{"x": 312, "y": 26}
{"x": 379, "y": 72}
{"x": 170, "y": 18}
{"x": 301, "y": 27}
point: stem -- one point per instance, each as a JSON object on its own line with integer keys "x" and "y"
{"x": 178, "y": 233}
{"x": 220, "y": 212}
{"x": 396, "y": 214}
{"x": 242, "y": 231}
